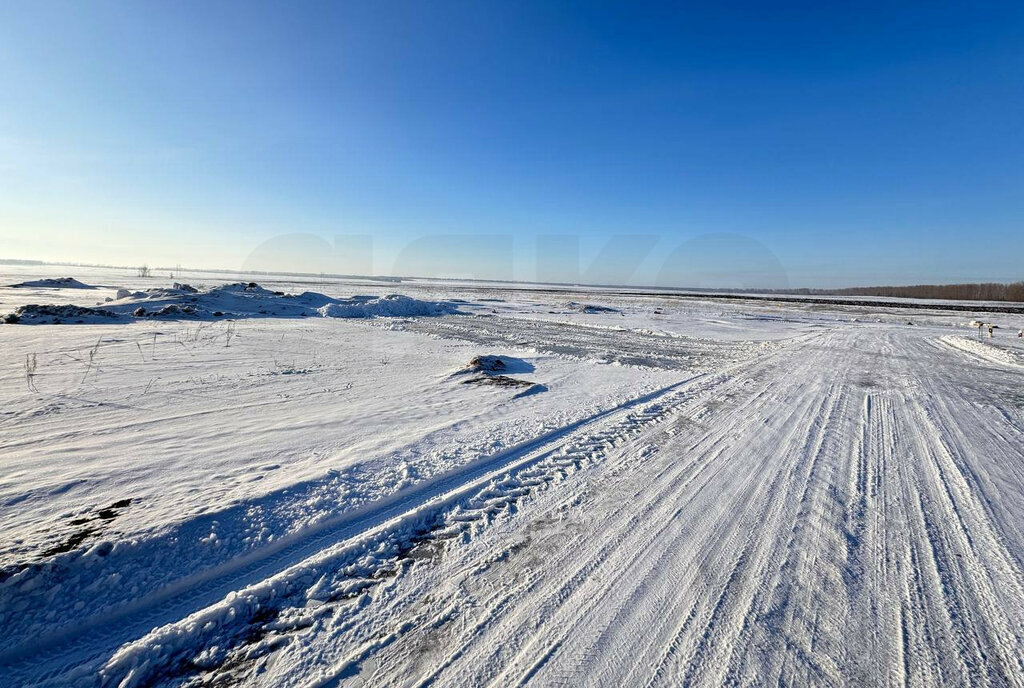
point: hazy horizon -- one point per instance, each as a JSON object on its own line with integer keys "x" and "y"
{"x": 158, "y": 271}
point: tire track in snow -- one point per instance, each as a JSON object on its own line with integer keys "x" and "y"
{"x": 784, "y": 515}
{"x": 713, "y": 442}
{"x": 61, "y": 658}
{"x": 640, "y": 526}
{"x": 636, "y": 552}
{"x": 559, "y": 592}
{"x": 969, "y": 590}
{"x": 797, "y": 599}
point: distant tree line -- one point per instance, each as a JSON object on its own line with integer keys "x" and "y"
{"x": 982, "y": 291}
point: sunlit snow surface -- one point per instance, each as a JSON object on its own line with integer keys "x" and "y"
{"x": 695, "y": 491}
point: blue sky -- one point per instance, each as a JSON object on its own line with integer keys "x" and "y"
{"x": 711, "y": 144}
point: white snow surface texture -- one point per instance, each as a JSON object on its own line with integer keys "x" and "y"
{"x": 695, "y": 491}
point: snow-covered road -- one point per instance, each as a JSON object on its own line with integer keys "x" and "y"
{"x": 847, "y": 512}
{"x": 844, "y": 506}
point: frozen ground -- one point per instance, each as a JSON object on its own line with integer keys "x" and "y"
{"x": 650, "y": 491}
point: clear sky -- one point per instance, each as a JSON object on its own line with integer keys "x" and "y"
{"x": 716, "y": 143}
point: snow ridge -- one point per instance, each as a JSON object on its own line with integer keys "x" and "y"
{"x": 988, "y": 352}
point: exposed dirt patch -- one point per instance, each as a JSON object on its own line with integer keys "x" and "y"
{"x": 490, "y": 364}
{"x": 88, "y": 527}
{"x": 56, "y": 315}
{"x": 498, "y": 381}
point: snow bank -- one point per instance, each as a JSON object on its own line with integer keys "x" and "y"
{"x": 990, "y": 353}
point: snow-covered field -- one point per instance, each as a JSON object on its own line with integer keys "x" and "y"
{"x": 310, "y": 482}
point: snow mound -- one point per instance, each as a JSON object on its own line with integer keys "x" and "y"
{"x": 238, "y": 300}
{"x": 488, "y": 363}
{"x": 591, "y": 308}
{"x": 53, "y": 283}
{"x": 56, "y": 315}
{"x": 393, "y": 305}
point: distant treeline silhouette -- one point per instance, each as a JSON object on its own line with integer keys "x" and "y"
{"x": 984, "y": 291}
